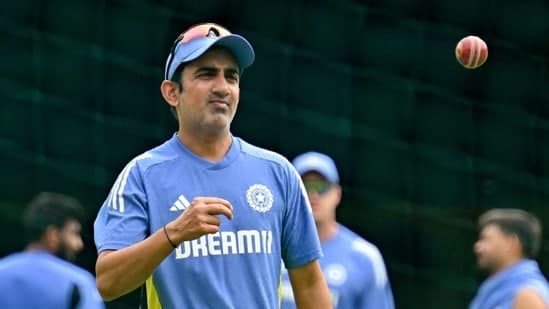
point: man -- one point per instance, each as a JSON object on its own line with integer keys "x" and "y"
{"x": 41, "y": 276}
{"x": 509, "y": 241}
{"x": 205, "y": 218}
{"x": 353, "y": 267}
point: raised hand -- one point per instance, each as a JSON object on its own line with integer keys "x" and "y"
{"x": 200, "y": 218}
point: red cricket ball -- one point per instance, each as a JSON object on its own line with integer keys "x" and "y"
{"x": 471, "y": 52}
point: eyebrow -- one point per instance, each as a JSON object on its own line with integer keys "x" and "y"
{"x": 210, "y": 69}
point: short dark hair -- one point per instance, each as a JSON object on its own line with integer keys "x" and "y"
{"x": 525, "y": 225}
{"x": 49, "y": 209}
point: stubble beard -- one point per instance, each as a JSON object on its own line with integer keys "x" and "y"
{"x": 65, "y": 253}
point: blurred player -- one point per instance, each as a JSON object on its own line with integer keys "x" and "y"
{"x": 207, "y": 217}
{"x": 41, "y": 276}
{"x": 509, "y": 240}
{"x": 353, "y": 267}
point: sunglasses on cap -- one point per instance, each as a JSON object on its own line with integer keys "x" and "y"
{"x": 317, "y": 186}
{"x": 195, "y": 32}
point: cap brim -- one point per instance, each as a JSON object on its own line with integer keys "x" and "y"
{"x": 318, "y": 163}
{"x": 305, "y": 169}
{"x": 241, "y": 49}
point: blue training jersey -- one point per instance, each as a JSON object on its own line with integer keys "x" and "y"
{"x": 355, "y": 272}
{"x": 500, "y": 289}
{"x": 237, "y": 267}
{"x": 38, "y": 279}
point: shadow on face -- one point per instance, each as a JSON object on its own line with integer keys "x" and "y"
{"x": 494, "y": 248}
{"x": 70, "y": 240}
{"x": 324, "y": 196}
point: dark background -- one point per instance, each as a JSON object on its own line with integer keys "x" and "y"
{"x": 423, "y": 145}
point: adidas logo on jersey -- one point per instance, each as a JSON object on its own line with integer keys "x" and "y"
{"x": 181, "y": 204}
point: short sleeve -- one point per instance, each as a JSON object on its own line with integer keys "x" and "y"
{"x": 377, "y": 293}
{"x": 123, "y": 218}
{"x": 300, "y": 243}
{"x": 89, "y": 296}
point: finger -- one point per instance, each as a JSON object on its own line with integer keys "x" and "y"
{"x": 213, "y": 200}
{"x": 219, "y": 209}
{"x": 210, "y": 220}
{"x": 209, "y": 228}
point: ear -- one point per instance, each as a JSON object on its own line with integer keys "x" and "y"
{"x": 516, "y": 245}
{"x": 170, "y": 92}
{"x": 50, "y": 238}
{"x": 338, "y": 192}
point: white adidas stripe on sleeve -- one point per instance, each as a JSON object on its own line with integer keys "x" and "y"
{"x": 116, "y": 199}
{"x": 373, "y": 253}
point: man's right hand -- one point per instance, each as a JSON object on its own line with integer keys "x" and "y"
{"x": 199, "y": 218}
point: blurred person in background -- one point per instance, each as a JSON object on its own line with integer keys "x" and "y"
{"x": 205, "y": 218}
{"x": 353, "y": 267}
{"x": 43, "y": 275}
{"x": 509, "y": 241}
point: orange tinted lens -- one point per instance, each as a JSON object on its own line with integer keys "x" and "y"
{"x": 204, "y": 30}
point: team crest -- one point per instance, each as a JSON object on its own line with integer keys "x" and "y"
{"x": 259, "y": 197}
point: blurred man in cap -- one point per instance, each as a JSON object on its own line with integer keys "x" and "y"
{"x": 352, "y": 266}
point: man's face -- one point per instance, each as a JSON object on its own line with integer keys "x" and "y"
{"x": 210, "y": 93}
{"x": 70, "y": 241}
{"x": 323, "y": 195}
{"x": 493, "y": 248}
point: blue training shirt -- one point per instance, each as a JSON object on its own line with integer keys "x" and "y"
{"x": 38, "y": 279}
{"x": 355, "y": 272}
{"x": 500, "y": 289}
{"x": 238, "y": 267}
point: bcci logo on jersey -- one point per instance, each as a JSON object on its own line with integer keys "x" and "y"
{"x": 259, "y": 197}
